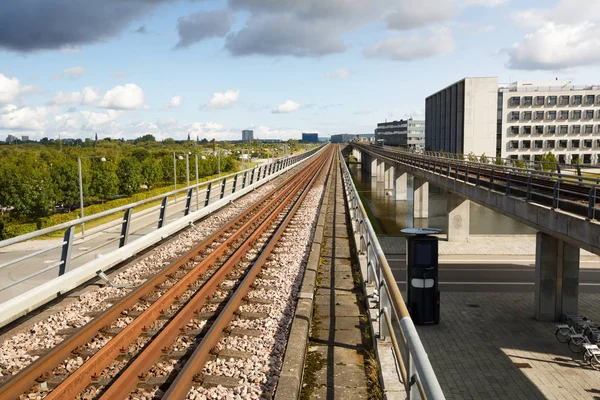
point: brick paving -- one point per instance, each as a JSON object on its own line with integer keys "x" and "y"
{"x": 336, "y": 339}
{"x": 482, "y": 335}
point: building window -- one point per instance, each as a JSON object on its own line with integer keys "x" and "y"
{"x": 526, "y": 144}
{"x": 514, "y": 130}
{"x": 514, "y": 157}
{"x": 576, "y": 129}
{"x": 564, "y": 129}
{"x": 597, "y": 143}
{"x": 575, "y": 144}
{"x": 587, "y": 158}
{"x": 538, "y": 144}
{"x": 514, "y": 116}
{"x": 564, "y": 100}
{"x": 515, "y": 101}
{"x": 550, "y": 144}
{"x": 588, "y": 129}
{"x": 551, "y": 114}
{"x": 551, "y": 100}
{"x": 526, "y": 115}
{"x": 551, "y": 129}
{"x": 589, "y": 99}
{"x": 577, "y": 100}
{"x": 563, "y": 114}
{"x": 527, "y": 100}
{"x": 562, "y": 144}
{"x": 539, "y": 100}
{"x": 576, "y": 114}
{"x": 539, "y": 129}
{"x": 514, "y": 144}
{"x": 526, "y": 157}
{"x": 587, "y": 144}
{"x": 539, "y": 115}
{"x": 527, "y": 130}
{"x": 589, "y": 114}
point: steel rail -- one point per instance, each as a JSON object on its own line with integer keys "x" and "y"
{"x": 182, "y": 384}
{"x": 80, "y": 378}
{"x": 128, "y": 379}
{"x": 24, "y": 379}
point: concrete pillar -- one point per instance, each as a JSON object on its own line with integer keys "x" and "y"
{"x": 380, "y": 171}
{"x": 401, "y": 185}
{"x": 556, "y": 278}
{"x": 421, "y": 198}
{"x": 389, "y": 177}
{"x": 374, "y": 166}
{"x": 458, "y": 218}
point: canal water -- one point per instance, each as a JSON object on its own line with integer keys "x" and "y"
{"x": 394, "y": 215}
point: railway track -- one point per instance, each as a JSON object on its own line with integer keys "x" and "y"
{"x": 155, "y": 340}
{"x": 554, "y": 190}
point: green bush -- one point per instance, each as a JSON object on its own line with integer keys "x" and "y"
{"x": 18, "y": 229}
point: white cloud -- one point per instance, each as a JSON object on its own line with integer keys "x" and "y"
{"x": 10, "y": 89}
{"x": 413, "y": 47}
{"x": 487, "y": 3}
{"x": 69, "y": 49}
{"x": 88, "y": 96}
{"x": 224, "y": 100}
{"x": 24, "y": 118}
{"x": 174, "y": 102}
{"x": 557, "y": 46}
{"x": 287, "y": 107}
{"x": 563, "y": 37}
{"x": 123, "y": 97}
{"x": 340, "y": 73}
{"x": 75, "y": 73}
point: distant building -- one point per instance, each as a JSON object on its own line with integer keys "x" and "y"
{"x": 270, "y": 140}
{"x": 11, "y": 139}
{"x": 463, "y": 117}
{"x": 405, "y": 133}
{"x": 247, "y": 135}
{"x": 349, "y": 137}
{"x": 323, "y": 139}
{"x": 310, "y": 137}
{"x": 24, "y": 138}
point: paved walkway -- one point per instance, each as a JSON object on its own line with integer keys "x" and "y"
{"x": 335, "y": 367}
{"x": 488, "y": 346}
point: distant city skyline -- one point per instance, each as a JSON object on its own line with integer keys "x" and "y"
{"x": 174, "y": 68}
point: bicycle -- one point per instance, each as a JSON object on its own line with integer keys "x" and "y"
{"x": 592, "y": 355}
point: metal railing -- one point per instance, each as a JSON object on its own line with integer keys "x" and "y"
{"x": 415, "y": 367}
{"x": 202, "y": 194}
{"x": 579, "y": 195}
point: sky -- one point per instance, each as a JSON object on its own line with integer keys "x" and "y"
{"x": 210, "y": 68}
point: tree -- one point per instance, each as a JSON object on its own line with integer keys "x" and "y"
{"x": 472, "y": 157}
{"x": 549, "y": 162}
{"x": 498, "y": 160}
{"x": 105, "y": 182}
{"x": 145, "y": 138}
{"x": 151, "y": 172}
{"x": 130, "y": 176}
{"x": 576, "y": 161}
{"x": 520, "y": 164}
{"x": 483, "y": 159}
{"x": 169, "y": 141}
{"x": 65, "y": 178}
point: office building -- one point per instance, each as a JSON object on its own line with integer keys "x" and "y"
{"x": 463, "y": 117}
{"x": 247, "y": 135}
{"x": 11, "y": 139}
{"x": 24, "y": 138}
{"x": 347, "y": 137}
{"x": 310, "y": 137}
{"x": 405, "y": 133}
{"x": 550, "y": 116}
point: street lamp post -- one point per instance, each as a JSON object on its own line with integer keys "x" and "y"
{"x": 81, "y": 212}
{"x": 197, "y": 187}
{"x": 175, "y": 158}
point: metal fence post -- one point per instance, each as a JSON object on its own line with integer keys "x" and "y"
{"x": 207, "y": 194}
{"x": 244, "y": 179}
{"x": 555, "y": 195}
{"x": 508, "y": 184}
{"x": 579, "y": 172}
{"x": 492, "y": 179}
{"x": 235, "y": 178}
{"x": 188, "y": 202}
{"x": 125, "y": 227}
{"x": 529, "y": 187}
{"x": 163, "y": 212}
{"x": 223, "y": 187}
{"x": 477, "y": 181}
{"x": 592, "y": 203}
{"x": 258, "y": 173}
{"x": 65, "y": 256}
{"x": 252, "y": 173}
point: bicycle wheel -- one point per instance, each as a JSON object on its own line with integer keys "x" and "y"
{"x": 575, "y": 346}
{"x": 595, "y": 362}
{"x": 562, "y": 336}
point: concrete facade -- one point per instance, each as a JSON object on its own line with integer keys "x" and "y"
{"x": 463, "y": 117}
{"x": 400, "y": 186}
{"x": 458, "y": 218}
{"x": 409, "y": 133}
{"x": 421, "y": 198}
{"x": 556, "y": 278}
{"x": 539, "y": 117}
{"x": 247, "y": 135}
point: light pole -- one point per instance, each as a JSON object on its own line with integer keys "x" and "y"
{"x": 175, "y": 158}
{"x": 102, "y": 159}
{"x": 197, "y": 188}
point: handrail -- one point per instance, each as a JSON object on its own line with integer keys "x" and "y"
{"x": 390, "y": 294}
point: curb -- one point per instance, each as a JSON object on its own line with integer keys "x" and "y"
{"x": 292, "y": 369}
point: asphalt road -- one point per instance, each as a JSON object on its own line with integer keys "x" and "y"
{"x": 495, "y": 273}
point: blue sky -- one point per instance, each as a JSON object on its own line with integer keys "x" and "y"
{"x": 280, "y": 67}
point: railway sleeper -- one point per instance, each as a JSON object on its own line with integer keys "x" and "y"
{"x": 217, "y": 380}
{"x": 237, "y": 354}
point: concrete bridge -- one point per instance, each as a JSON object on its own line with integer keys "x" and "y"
{"x": 562, "y": 209}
